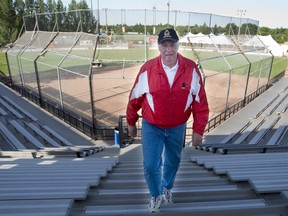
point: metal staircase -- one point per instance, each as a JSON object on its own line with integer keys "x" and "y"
{"x": 197, "y": 191}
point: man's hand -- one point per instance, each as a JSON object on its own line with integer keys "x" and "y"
{"x": 196, "y": 139}
{"x": 132, "y": 131}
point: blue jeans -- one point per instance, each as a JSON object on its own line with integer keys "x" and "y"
{"x": 154, "y": 141}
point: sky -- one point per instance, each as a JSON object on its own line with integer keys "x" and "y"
{"x": 272, "y": 14}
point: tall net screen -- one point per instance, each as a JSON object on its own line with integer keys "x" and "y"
{"x": 86, "y": 61}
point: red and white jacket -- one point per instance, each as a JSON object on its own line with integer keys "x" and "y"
{"x": 168, "y": 107}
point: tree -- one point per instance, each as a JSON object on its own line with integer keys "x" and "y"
{"x": 59, "y": 6}
{"x": 51, "y": 16}
{"x": 87, "y": 18}
{"x": 264, "y": 31}
{"x": 8, "y": 33}
{"x": 51, "y": 6}
{"x": 13, "y": 11}
{"x": 29, "y": 7}
{"x": 20, "y": 11}
{"x": 62, "y": 17}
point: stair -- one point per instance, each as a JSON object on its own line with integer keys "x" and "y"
{"x": 197, "y": 191}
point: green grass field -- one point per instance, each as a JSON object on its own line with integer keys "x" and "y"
{"x": 3, "y": 63}
{"x": 210, "y": 60}
{"x": 279, "y": 65}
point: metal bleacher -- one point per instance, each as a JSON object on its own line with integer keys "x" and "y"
{"x": 43, "y": 135}
{"x": 28, "y": 136}
{"x": 25, "y": 112}
{"x": 48, "y": 186}
{"x": 9, "y": 136}
{"x": 43, "y": 172}
{"x": 248, "y": 113}
{"x": 22, "y": 131}
{"x": 264, "y": 129}
{"x": 240, "y": 182}
{"x": 58, "y": 136}
{"x": 11, "y": 109}
{"x": 265, "y": 172}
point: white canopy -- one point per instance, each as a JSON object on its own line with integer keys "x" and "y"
{"x": 266, "y": 41}
{"x": 206, "y": 39}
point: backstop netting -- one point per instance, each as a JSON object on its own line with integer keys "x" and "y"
{"x": 85, "y": 61}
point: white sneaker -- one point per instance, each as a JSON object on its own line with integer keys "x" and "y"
{"x": 167, "y": 196}
{"x": 155, "y": 204}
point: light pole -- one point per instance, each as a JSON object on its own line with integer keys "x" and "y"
{"x": 175, "y": 22}
{"x": 168, "y": 5}
{"x": 106, "y": 31}
{"x": 154, "y": 20}
{"x": 123, "y": 20}
{"x": 98, "y": 18}
{"x": 241, "y": 13}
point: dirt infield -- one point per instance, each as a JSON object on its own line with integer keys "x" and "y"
{"x": 111, "y": 88}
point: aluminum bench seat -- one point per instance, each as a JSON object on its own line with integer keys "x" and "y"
{"x": 11, "y": 138}
{"x": 43, "y": 135}
{"x": 252, "y": 127}
{"x": 260, "y": 133}
{"x": 222, "y": 168}
{"x": 58, "y": 136}
{"x": 28, "y": 193}
{"x": 18, "y": 154}
{"x": 93, "y": 181}
{"x": 243, "y": 116}
{"x": 236, "y": 176}
{"x": 43, "y": 153}
{"x": 58, "y": 207}
{"x": 20, "y": 108}
{"x": 282, "y": 107}
{"x": 11, "y": 109}
{"x": 252, "y": 148}
{"x": 175, "y": 190}
{"x": 226, "y": 148}
{"x": 278, "y": 134}
{"x": 273, "y": 106}
{"x": 3, "y": 112}
{"x": 285, "y": 194}
{"x": 26, "y": 134}
{"x": 176, "y": 207}
{"x": 80, "y": 151}
{"x": 238, "y": 158}
{"x": 50, "y": 175}
{"x": 62, "y": 162}
{"x": 270, "y": 186}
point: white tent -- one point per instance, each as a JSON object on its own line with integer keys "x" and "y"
{"x": 221, "y": 39}
{"x": 266, "y": 41}
{"x": 205, "y": 39}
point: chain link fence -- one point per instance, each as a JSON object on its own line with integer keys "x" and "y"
{"x": 84, "y": 62}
